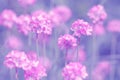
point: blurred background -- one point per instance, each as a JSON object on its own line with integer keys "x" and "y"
{"x": 100, "y": 53}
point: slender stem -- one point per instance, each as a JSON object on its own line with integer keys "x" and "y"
{"x": 113, "y": 51}
{"x": 37, "y": 46}
{"x": 44, "y": 48}
{"x": 29, "y": 39}
{"x": 66, "y": 51}
{"x": 16, "y": 74}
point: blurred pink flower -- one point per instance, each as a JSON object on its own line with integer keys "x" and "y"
{"x": 36, "y": 70}
{"x": 45, "y": 62}
{"x": 74, "y": 71}
{"x": 101, "y": 71}
{"x": 60, "y": 14}
{"x": 114, "y": 26}
{"x": 81, "y": 56}
{"x": 41, "y": 24}
{"x": 13, "y": 42}
{"x": 99, "y": 29}
{"x": 23, "y": 24}
{"x": 7, "y": 18}
{"x": 97, "y": 13}
{"x": 26, "y": 2}
{"x": 67, "y": 41}
{"x": 16, "y": 59}
{"x": 80, "y": 27}
{"x": 35, "y": 73}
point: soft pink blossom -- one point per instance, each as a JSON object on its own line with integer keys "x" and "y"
{"x": 74, "y": 71}
{"x": 7, "y": 18}
{"x": 114, "y": 26}
{"x": 99, "y": 29}
{"x": 60, "y": 14}
{"x": 101, "y": 70}
{"x": 67, "y": 41}
{"x": 97, "y": 13}
{"x": 45, "y": 62}
{"x": 13, "y": 42}
{"x": 16, "y": 59}
{"x": 36, "y": 70}
{"x": 41, "y": 24}
{"x": 26, "y": 2}
{"x": 23, "y": 24}
{"x": 80, "y": 27}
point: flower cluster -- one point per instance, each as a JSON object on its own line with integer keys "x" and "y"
{"x": 41, "y": 24}
{"x": 26, "y": 2}
{"x": 97, "y": 13}
{"x": 74, "y": 71}
{"x": 80, "y": 27}
{"x": 29, "y": 63}
{"x": 67, "y": 41}
{"x": 16, "y": 59}
{"x": 7, "y": 18}
{"x": 60, "y": 14}
{"x": 23, "y": 22}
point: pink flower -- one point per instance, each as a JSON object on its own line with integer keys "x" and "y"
{"x": 7, "y": 18}
{"x": 81, "y": 56}
{"x": 97, "y": 13}
{"x": 67, "y": 41}
{"x": 13, "y": 42}
{"x": 36, "y": 70}
{"x": 41, "y": 24}
{"x": 60, "y": 14}
{"x": 80, "y": 27}
{"x": 16, "y": 59}
{"x": 101, "y": 70}
{"x": 74, "y": 71}
{"x": 45, "y": 62}
{"x": 114, "y": 26}
{"x": 99, "y": 29}
{"x": 26, "y": 2}
{"x": 35, "y": 73}
{"x": 23, "y": 24}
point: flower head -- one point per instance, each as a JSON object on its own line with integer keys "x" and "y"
{"x": 80, "y": 27}
{"x": 26, "y": 2}
{"x": 16, "y": 59}
{"x": 67, "y": 41}
{"x": 97, "y": 13}
{"x": 60, "y": 14}
{"x": 7, "y": 18}
{"x": 23, "y": 23}
{"x": 114, "y": 26}
{"x": 74, "y": 71}
{"x": 36, "y": 70}
{"x": 41, "y": 24}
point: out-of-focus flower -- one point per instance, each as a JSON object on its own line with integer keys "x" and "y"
{"x": 41, "y": 24}
{"x": 45, "y": 62}
{"x": 97, "y": 13}
{"x": 60, "y": 14}
{"x": 99, "y": 29}
{"x": 80, "y": 27}
{"x": 74, "y": 71}
{"x": 7, "y": 18}
{"x": 101, "y": 71}
{"x": 67, "y": 41}
{"x": 114, "y": 26}
{"x": 26, "y": 2}
{"x": 23, "y": 24}
{"x": 16, "y": 59}
{"x": 36, "y": 70}
{"x": 35, "y": 73}
{"x": 13, "y": 42}
{"x": 73, "y": 56}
